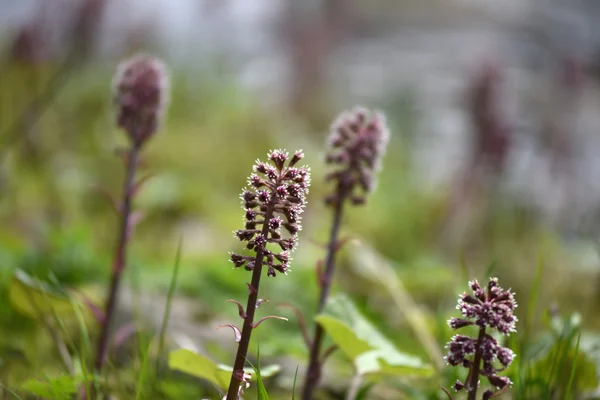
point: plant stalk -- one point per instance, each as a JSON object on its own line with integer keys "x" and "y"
{"x": 119, "y": 260}
{"x": 242, "y": 351}
{"x": 354, "y": 387}
{"x": 473, "y": 380}
{"x": 313, "y": 372}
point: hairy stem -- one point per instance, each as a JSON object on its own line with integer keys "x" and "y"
{"x": 242, "y": 351}
{"x": 313, "y": 373}
{"x": 473, "y": 379}
{"x": 119, "y": 260}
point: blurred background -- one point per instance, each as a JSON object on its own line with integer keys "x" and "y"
{"x": 493, "y": 163}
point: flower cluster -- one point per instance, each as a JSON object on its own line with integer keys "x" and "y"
{"x": 357, "y": 142}
{"x": 492, "y": 308}
{"x": 140, "y": 94}
{"x": 274, "y": 199}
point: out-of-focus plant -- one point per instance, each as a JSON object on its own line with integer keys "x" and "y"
{"x": 356, "y": 145}
{"x": 140, "y": 95}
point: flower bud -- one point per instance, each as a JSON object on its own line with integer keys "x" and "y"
{"x": 140, "y": 95}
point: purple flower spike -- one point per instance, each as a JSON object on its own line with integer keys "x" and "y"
{"x": 275, "y": 198}
{"x": 283, "y": 188}
{"x": 357, "y": 143}
{"x": 140, "y": 94}
{"x": 488, "y": 308}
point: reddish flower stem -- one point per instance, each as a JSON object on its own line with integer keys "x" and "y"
{"x": 242, "y": 351}
{"x": 473, "y": 380}
{"x": 313, "y": 372}
{"x": 120, "y": 260}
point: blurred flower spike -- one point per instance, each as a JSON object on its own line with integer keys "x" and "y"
{"x": 490, "y": 308}
{"x": 273, "y": 204}
{"x": 140, "y": 87}
{"x": 356, "y": 145}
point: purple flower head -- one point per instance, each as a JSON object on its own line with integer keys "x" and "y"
{"x": 140, "y": 94}
{"x": 356, "y": 144}
{"x": 491, "y": 308}
{"x": 486, "y": 308}
{"x": 275, "y": 198}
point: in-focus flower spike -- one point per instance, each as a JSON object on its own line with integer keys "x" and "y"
{"x": 140, "y": 93}
{"x": 284, "y": 189}
{"x": 274, "y": 199}
{"x": 356, "y": 145}
{"x": 488, "y": 308}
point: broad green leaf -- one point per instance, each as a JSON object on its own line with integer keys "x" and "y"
{"x": 374, "y": 267}
{"x": 343, "y": 336}
{"x": 33, "y": 298}
{"x": 61, "y": 388}
{"x": 197, "y": 365}
{"x": 202, "y": 367}
{"x": 360, "y": 341}
{"x": 390, "y": 362}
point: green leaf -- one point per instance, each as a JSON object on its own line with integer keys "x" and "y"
{"x": 374, "y": 267}
{"x": 61, "y": 388}
{"x": 360, "y": 341}
{"x": 202, "y": 367}
{"x": 343, "y": 336}
{"x": 197, "y": 365}
{"x": 34, "y": 299}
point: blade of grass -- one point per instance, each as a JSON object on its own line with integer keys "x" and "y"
{"x": 170, "y": 294}
{"x": 534, "y": 294}
{"x": 567, "y": 340}
{"x": 11, "y": 392}
{"x": 86, "y": 349}
{"x": 294, "y": 386}
{"x": 573, "y": 368}
{"x": 46, "y": 319}
{"x": 518, "y": 366}
{"x": 364, "y": 391}
{"x": 554, "y": 364}
{"x": 143, "y": 374}
{"x": 490, "y": 269}
{"x": 261, "y": 391}
{"x": 463, "y": 268}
